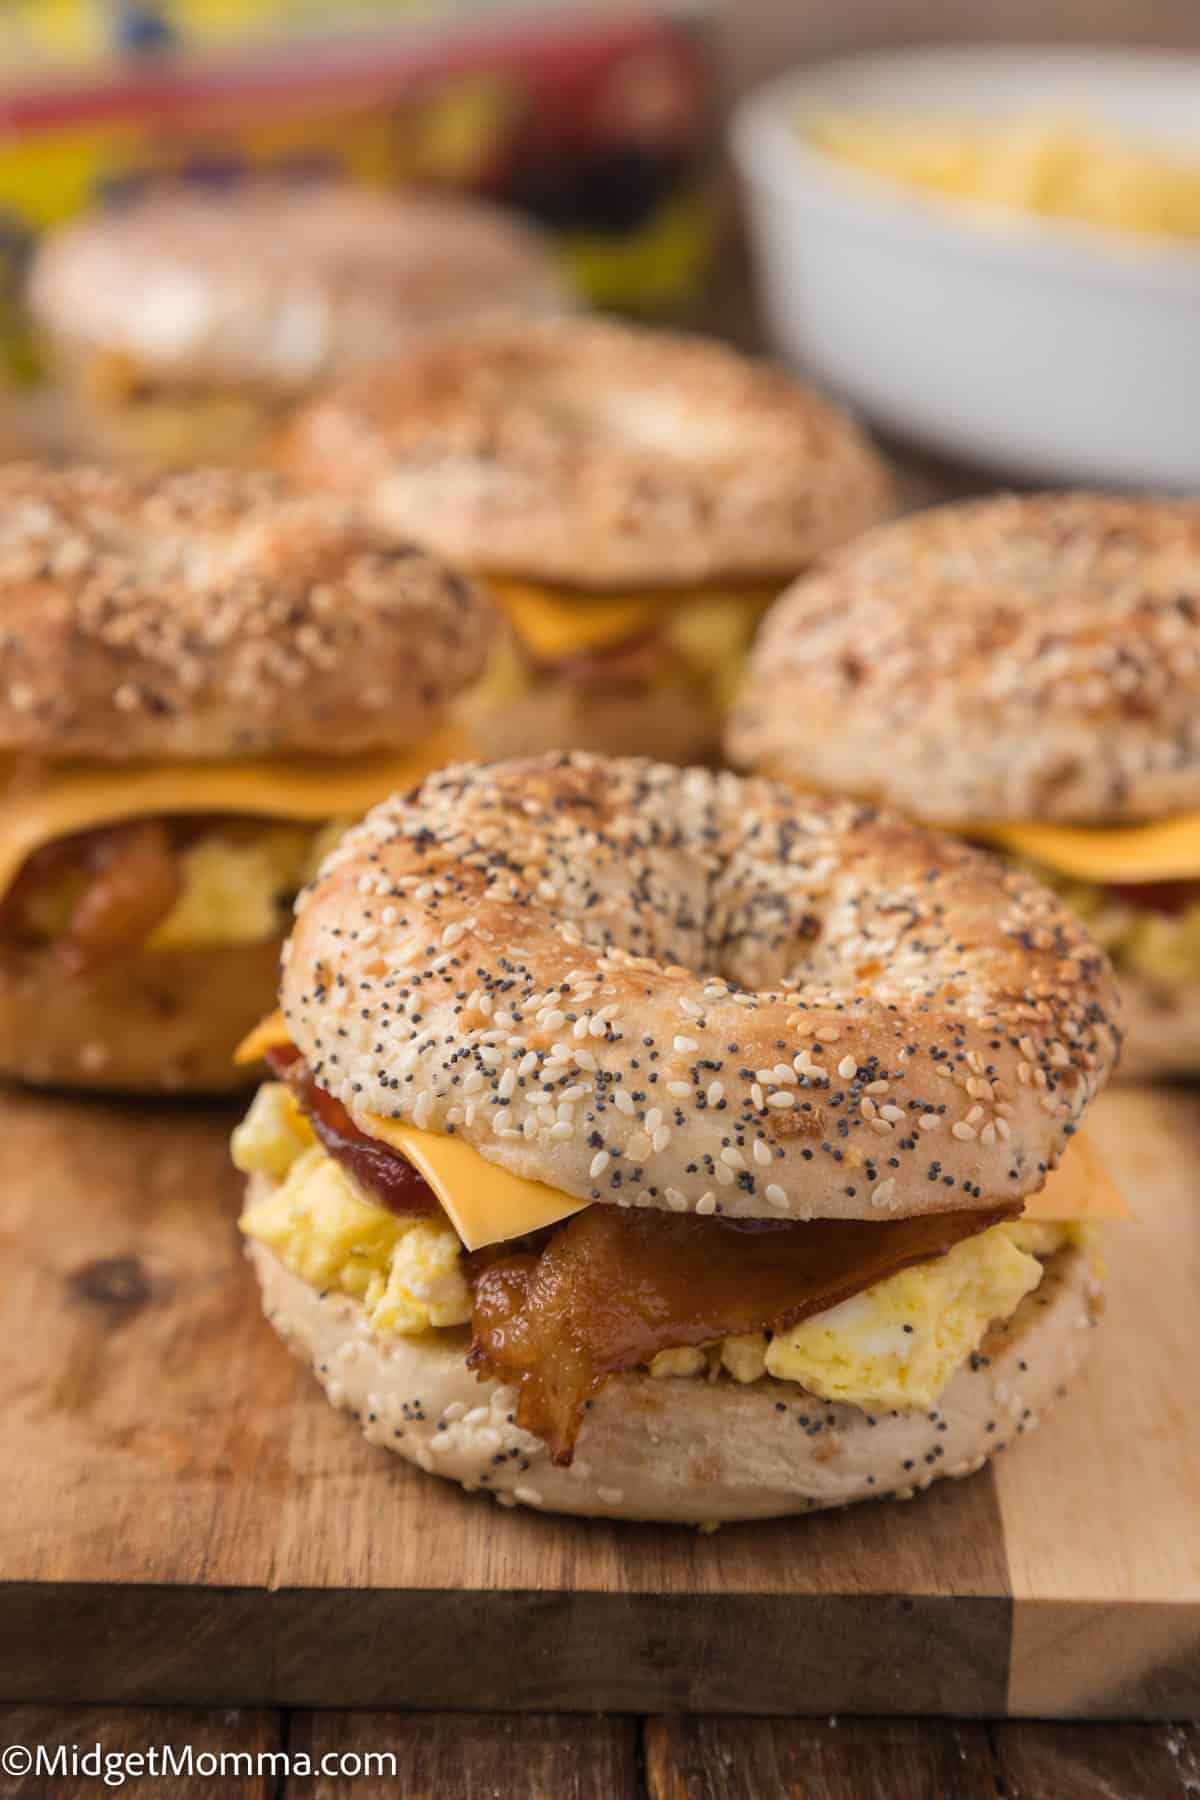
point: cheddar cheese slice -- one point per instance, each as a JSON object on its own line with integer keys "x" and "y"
{"x": 43, "y": 801}
{"x": 1078, "y": 1189}
{"x": 1167, "y": 850}
{"x": 485, "y": 1204}
{"x": 270, "y": 1033}
{"x": 554, "y": 623}
{"x": 1163, "y": 850}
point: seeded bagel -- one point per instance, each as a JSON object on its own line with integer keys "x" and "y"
{"x": 278, "y": 285}
{"x": 672, "y": 988}
{"x": 593, "y": 454}
{"x": 214, "y": 615}
{"x": 1006, "y": 659}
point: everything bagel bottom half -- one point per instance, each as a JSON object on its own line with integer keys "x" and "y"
{"x": 144, "y": 1021}
{"x": 680, "y": 1450}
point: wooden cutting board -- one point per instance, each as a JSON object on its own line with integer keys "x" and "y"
{"x": 184, "y": 1518}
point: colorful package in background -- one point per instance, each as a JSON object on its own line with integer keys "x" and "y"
{"x": 592, "y": 121}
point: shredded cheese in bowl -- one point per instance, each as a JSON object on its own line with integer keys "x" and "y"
{"x": 1065, "y": 167}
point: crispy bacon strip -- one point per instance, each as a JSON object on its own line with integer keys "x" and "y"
{"x": 135, "y": 883}
{"x": 613, "y": 1287}
{"x": 132, "y": 881}
{"x": 386, "y": 1175}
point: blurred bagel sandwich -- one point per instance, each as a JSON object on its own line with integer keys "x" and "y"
{"x": 632, "y": 498}
{"x": 202, "y": 673}
{"x": 1024, "y": 671}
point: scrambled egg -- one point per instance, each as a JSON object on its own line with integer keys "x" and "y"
{"x": 1057, "y": 167}
{"x": 405, "y": 1272}
{"x": 238, "y": 883}
{"x": 895, "y": 1345}
{"x": 898, "y": 1344}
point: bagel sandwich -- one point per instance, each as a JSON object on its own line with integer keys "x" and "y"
{"x": 655, "y": 1144}
{"x": 632, "y": 498}
{"x": 1025, "y": 671}
{"x": 204, "y": 679}
{"x": 185, "y": 323}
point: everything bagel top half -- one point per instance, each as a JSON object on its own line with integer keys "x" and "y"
{"x": 201, "y": 673}
{"x": 633, "y": 498}
{"x": 649, "y": 1142}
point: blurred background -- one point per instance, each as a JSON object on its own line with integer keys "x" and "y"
{"x": 759, "y": 37}
{"x": 610, "y": 126}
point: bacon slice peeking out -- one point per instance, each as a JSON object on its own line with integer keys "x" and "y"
{"x": 613, "y": 1287}
{"x": 1169, "y": 897}
{"x": 386, "y": 1175}
{"x": 130, "y": 880}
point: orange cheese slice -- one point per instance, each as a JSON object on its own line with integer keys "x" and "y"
{"x": 485, "y": 1204}
{"x": 1167, "y": 850}
{"x": 1078, "y": 1189}
{"x": 488, "y": 1205}
{"x": 43, "y": 801}
{"x": 270, "y": 1033}
{"x": 1163, "y": 850}
{"x": 554, "y": 623}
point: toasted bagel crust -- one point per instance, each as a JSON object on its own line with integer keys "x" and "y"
{"x": 1011, "y": 658}
{"x": 684, "y": 1451}
{"x": 662, "y": 987}
{"x": 278, "y": 285}
{"x": 146, "y": 1022}
{"x": 216, "y": 615}
{"x": 593, "y": 454}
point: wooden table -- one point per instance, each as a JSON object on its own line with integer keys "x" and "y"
{"x": 455, "y": 1756}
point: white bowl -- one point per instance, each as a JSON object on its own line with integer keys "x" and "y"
{"x": 1044, "y": 348}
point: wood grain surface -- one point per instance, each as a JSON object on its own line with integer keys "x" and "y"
{"x": 1103, "y": 1556}
{"x": 194, "y": 1524}
{"x": 447, "y": 1756}
{"x": 843, "y": 1759}
{"x": 76, "y": 1732}
{"x": 457, "y": 1756}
